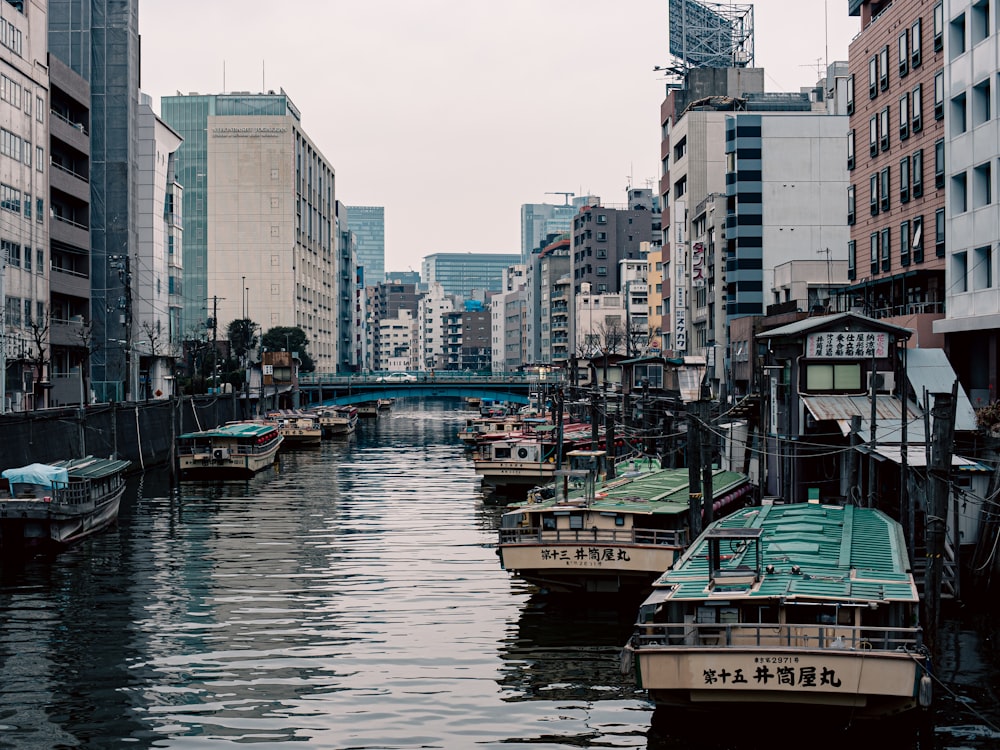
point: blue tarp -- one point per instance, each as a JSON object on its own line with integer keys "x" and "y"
{"x": 41, "y": 474}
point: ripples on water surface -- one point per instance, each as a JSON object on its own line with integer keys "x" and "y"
{"x": 352, "y": 599}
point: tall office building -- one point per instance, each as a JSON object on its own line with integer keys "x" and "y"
{"x": 368, "y": 225}
{"x": 461, "y": 273}
{"x": 539, "y": 220}
{"x": 99, "y": 40}
{"x": 259, "y": 218}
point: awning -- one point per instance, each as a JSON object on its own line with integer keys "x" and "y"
{"x": 888, "y": 415}
{"x": 916, "y": 455}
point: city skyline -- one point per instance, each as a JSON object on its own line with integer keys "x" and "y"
{"x": 477, "y": 112}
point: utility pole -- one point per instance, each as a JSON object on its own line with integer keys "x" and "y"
{"x": 706, "y": 443}
{"x": 939, "y": 470}
{"x": 694, "y": 469}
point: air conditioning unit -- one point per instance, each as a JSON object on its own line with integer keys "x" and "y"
{"x": 881, "y": 382}
{"x": 220, "y": 454}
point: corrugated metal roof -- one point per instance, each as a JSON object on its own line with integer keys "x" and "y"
{"x": 930, "y": 370}
{"x": 233, "y": 430}
{"x": 839, "y": 553}
{"x": 820, "y": 322}
{"x": 93, "y": 468}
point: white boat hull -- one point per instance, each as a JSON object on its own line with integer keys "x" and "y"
{"x": 236, "y": 464}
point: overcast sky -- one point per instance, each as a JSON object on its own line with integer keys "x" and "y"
{"x": 453, "y": 113}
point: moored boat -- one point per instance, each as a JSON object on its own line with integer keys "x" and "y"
{"x": 598, "y": 534}
{"x": 299, "y": 429}
{"x": 53, "y": 505}
{"x": 514, "y": 464}
{"x": 236, "y": 449}
{"x": 385, "y": 404}
{"x": 368, "y": 410}
{"x": 786, "y": 606}
{"x": 337, "y": 420}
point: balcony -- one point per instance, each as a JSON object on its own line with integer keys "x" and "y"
{"x": 69, "y": 333}
{"x": 69, "y": 182}
{"x": 69, "y": 283}
{"x": 71, "y": 133}
{"x": 69, "y": 232}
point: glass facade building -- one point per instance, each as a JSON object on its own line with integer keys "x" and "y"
{"x": 99, "y": 40}
{"x": 368, "y": 225}
{"x": 461, "y": 273}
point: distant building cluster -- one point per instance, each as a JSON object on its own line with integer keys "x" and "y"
{"x": 133, "y": 241}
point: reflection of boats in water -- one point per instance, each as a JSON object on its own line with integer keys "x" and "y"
{"x": 598, "y": 532}
{"x": 564, "y": 650}
{"x": 800, "y": 607}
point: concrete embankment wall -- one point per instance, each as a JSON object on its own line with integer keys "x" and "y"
{"x": 142, "y": 432}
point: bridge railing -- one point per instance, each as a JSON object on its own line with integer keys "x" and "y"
{"x": 446, "y": 377}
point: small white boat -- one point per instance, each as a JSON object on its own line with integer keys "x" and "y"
{"x": 522, "y": 461}
{"x": 60, "y": 503}
{"x": 782, "y": 610}
{"x": 236, "y": 449}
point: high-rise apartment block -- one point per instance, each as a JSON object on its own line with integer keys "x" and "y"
{"x": 896, "y": 158}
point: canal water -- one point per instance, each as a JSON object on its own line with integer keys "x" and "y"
{"x": 352, "y": 599}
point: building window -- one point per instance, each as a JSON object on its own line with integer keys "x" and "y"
{"x": 852, "y": 260}
{"x": 917, "y": 174}
{"x": 883, "y": 72}
{"x": 938, "y": 27}
{"x": 884, "y": 128}
{"x": 873, "y": 136}
{"x": 917, "y": 109}
{"x": 873, "y": 251}
{"x": 850, "y": 95}
{"x": 915, "y": 44}
{"x": 883, "y": 191}
{"x": 939, "y": 95}
{"x": 959, "y": 272}
{"x": 939, "y": 163}
{"x": 982, "y": 268}
{"x": 873, "y": 202}
{"x": 959, "y": 193}
{"x": 886, "y": 249}
{"x": 939, "y": 233}
{"x": 917, "y": 243}
{"x": 904, "y": 53}
{"x": 982, "y": 185}
{"x": 959, "y": 116}
{"x": 873, "y": 77}
{"x": 851, "y": 205}
{"x": 904, "y": 244}
{"x": 979, "y": 21}
{"x": 956, "y": 36}
{"x": 850, "y": 150}
{"x": 981, "y": 102}
{"x": 904, "y": 117}
{"x": 904, "y": 180}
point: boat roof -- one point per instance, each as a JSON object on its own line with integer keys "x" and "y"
{"x": 809, "y": 551}
{"x": 661, "y": 491}
{"x": 232, "y": 430}
{"x": 44, "y": 475}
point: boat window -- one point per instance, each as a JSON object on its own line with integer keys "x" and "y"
{"x": 619, "y": 520}
{"x": 576, "y": 521}
{"x": 548, "y": 523}
{"x": 501, "y": 453}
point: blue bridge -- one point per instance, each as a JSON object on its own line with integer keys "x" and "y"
{"x": 357, "y": 389}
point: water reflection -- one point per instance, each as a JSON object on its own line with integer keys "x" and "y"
{"x": 350, "y": 598}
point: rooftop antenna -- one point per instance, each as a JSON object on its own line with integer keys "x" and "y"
{"x": 566, "y": 196}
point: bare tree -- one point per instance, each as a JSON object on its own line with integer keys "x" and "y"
{"x": 609, "y": 336}
{"x": 38, "y": 353}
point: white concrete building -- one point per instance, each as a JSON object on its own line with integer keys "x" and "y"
{"x": 432, "y": 308}
{"x": 395, "y": 342}
{"x": 157, "y": 305}
{"x": 969, "y": 231}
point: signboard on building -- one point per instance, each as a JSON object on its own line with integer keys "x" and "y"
{"x": 680, "y": 319}
{"x": 848, "y": 345}
{"x": 698, "y": 264}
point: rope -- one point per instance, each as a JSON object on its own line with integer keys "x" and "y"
{"x": 957, "y": 698}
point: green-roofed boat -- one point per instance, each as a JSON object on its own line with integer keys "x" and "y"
{"x": 589, "y": 533}
{"x": 234, "y": 450}
{"x": 801, "y": 605}
{"x": 54, "y": 505}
